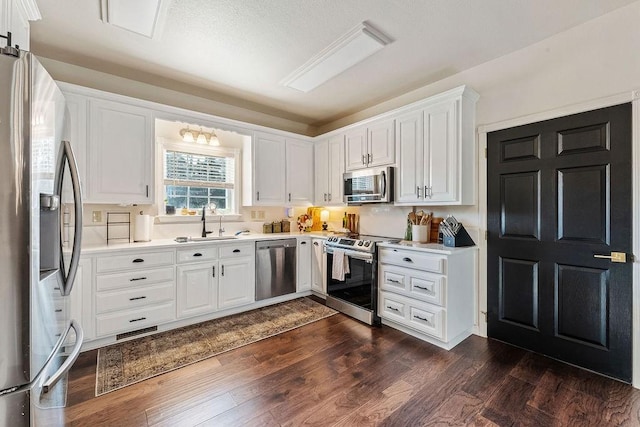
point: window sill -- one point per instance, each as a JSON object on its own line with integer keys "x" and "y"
{"x": 188, "y": 219}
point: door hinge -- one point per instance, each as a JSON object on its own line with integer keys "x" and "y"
{"x": 486, "y": 316}
{"x": 486, "y": 234}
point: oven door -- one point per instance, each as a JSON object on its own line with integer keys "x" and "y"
{"x": 358, "y": 285}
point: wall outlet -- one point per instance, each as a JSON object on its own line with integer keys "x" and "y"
{"x": 253, "y": 214}
{"x": 260, "y": 214}
{"x": 96, "y": 216}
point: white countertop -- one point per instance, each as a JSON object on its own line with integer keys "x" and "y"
{"x": 427, "y": 247}
{"x": 171, "y": 243}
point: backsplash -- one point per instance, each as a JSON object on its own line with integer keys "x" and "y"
{"x": 379, "y": 220}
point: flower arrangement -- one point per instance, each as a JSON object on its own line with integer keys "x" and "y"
{"x": 304, "y": 222}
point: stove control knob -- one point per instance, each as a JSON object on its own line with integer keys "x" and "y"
{"x": 360, "y": 242}
{"x": 367, "y": 243}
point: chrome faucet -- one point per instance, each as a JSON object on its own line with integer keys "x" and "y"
{"x": 220, "y": 229}
{"x": 204, "y": 224}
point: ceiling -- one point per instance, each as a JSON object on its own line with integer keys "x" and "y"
{"x": 238, "y": 51}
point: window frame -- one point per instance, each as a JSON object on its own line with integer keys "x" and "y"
{"x": 165, "y": 145}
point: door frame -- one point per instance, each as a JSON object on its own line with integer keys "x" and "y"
{"x": 630, "y": 96}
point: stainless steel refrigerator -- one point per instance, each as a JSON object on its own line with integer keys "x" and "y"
{"x": 39, "y": 196}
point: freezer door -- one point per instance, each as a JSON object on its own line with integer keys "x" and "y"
{"x": 15, "y": 235}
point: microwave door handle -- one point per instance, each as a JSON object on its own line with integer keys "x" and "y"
{"x": 384, "y": 184}
{"x": 69, "y": 278}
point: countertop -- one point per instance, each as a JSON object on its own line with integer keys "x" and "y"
{"x": 171, "y": 243}
{"x": 427, "y": 247}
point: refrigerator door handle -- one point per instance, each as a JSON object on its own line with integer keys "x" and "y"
{"x": 66, "y": 365}
{"x": 68, "y": 279}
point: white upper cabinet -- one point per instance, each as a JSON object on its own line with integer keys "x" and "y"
{"x": 282, "y": 171}
{"x": 370, "y": 145}
{"x": 120, "y": 153}
{"x": 299, "y": 172}
{"x": 14, "y": 17}
{"x": 329, "y": 167}
{"x": 269, "y": 170}
{"x": 436, "y": 151}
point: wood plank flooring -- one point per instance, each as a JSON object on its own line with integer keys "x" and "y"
{"x": 341, "y": 372}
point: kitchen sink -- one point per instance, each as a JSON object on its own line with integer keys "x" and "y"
{"x": 204, "y": 239}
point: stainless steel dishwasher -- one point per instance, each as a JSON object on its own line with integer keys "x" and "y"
{"x": 275, "y": 268}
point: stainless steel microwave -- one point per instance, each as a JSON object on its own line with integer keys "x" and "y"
{"x": 371, "y": 185}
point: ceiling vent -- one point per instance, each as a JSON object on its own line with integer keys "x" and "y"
{"x": 350, "y": 49}
{"x": 144, "y": 17}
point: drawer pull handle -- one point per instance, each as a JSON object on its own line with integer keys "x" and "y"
{"x": 223, "y": 270}
{"x": 427, "y": 321}
{"x": 407, "y": 259}
{"x": 135, "y": 279}
{"x": 393, "y": 308}
{"x": 316, "y": 244}
{"x": 58, "y": 310}
{"x": 136, "y": 298}
{"x": 394, "y": 281}
{"x": 197, "y": 254}
{"x": 57, "y": 288}
{"x": 235, "y": 251}
{"x": 137, "y": 320}
{"x": 138, "y": 260}
{"x": 303, "y": 243}
{"x": 424, "y": 289}
{"x": 214, "y": 271}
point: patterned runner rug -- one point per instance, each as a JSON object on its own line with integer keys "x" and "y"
{"x": 127, "y": 363}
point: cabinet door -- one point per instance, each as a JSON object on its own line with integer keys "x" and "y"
{"x": 237, "y": 282}
{"x": 75, "y": 131}
{"x": 80, "y": 300}
{"x": 299, "y": 172}
{"x": 304, "y": 265}
{"x": 322, "y": 177}
{"x": 120, "y": 152}
{"x": 197, "y": 289}
{"x": 410, "y": 182}
{"x": 381, "y": 147}
{"x": 318, "y": 281}
{"x": 269, "y": 168}
{"x": 356, "y": 149}
{"x": 336, "y": 169}
{"x": 15, "y": 18}
{"x": 441, "y": 141}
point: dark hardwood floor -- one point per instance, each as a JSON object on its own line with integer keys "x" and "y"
{"x": 341, "y": 372}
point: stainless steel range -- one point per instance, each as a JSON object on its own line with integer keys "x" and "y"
{"x": 357, "y": 294}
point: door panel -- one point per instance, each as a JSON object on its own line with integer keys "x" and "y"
{"x": 559, "y": 192}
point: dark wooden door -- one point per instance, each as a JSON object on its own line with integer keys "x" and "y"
{"x": 559, "y": 192}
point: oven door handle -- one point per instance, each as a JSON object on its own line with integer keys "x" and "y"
{"x": 353, "y": 254}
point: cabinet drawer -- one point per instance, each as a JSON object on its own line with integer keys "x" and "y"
{"x": 134, "y": 260}
{"x": 125, "y": 299}
{"x": 423, "y": 317}
{"x": 413, "y": 283}
{"x": 412, "y": 259}
{"x": 233, "y": 251}
{"x": 131, "y": 320}
{"x": 196, "y": 254}
{"x": 134, "y": 278}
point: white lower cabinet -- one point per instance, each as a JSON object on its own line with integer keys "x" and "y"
{"x": 318, "y": 263}
{"x": 303, "y": 269}
{"x": 226, "y": 279}
{"x": 428, "y": 294}
{"x": 197, "y": 289}
{"x": 134, "y": 291}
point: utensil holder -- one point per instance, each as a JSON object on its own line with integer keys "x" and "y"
{"x": 419, "y": 233}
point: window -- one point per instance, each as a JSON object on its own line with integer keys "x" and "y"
{"x": 195, "y": 178}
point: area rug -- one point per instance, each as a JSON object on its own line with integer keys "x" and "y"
{"x": 127, "y": 363}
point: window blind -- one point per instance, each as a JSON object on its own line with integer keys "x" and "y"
{"x": 197, "y": 170}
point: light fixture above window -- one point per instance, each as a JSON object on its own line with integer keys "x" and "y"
{"x": 351, "y": 48}
{"x": 199, "y": 137}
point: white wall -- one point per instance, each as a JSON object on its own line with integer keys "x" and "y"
{"x": 594, "y": 60}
